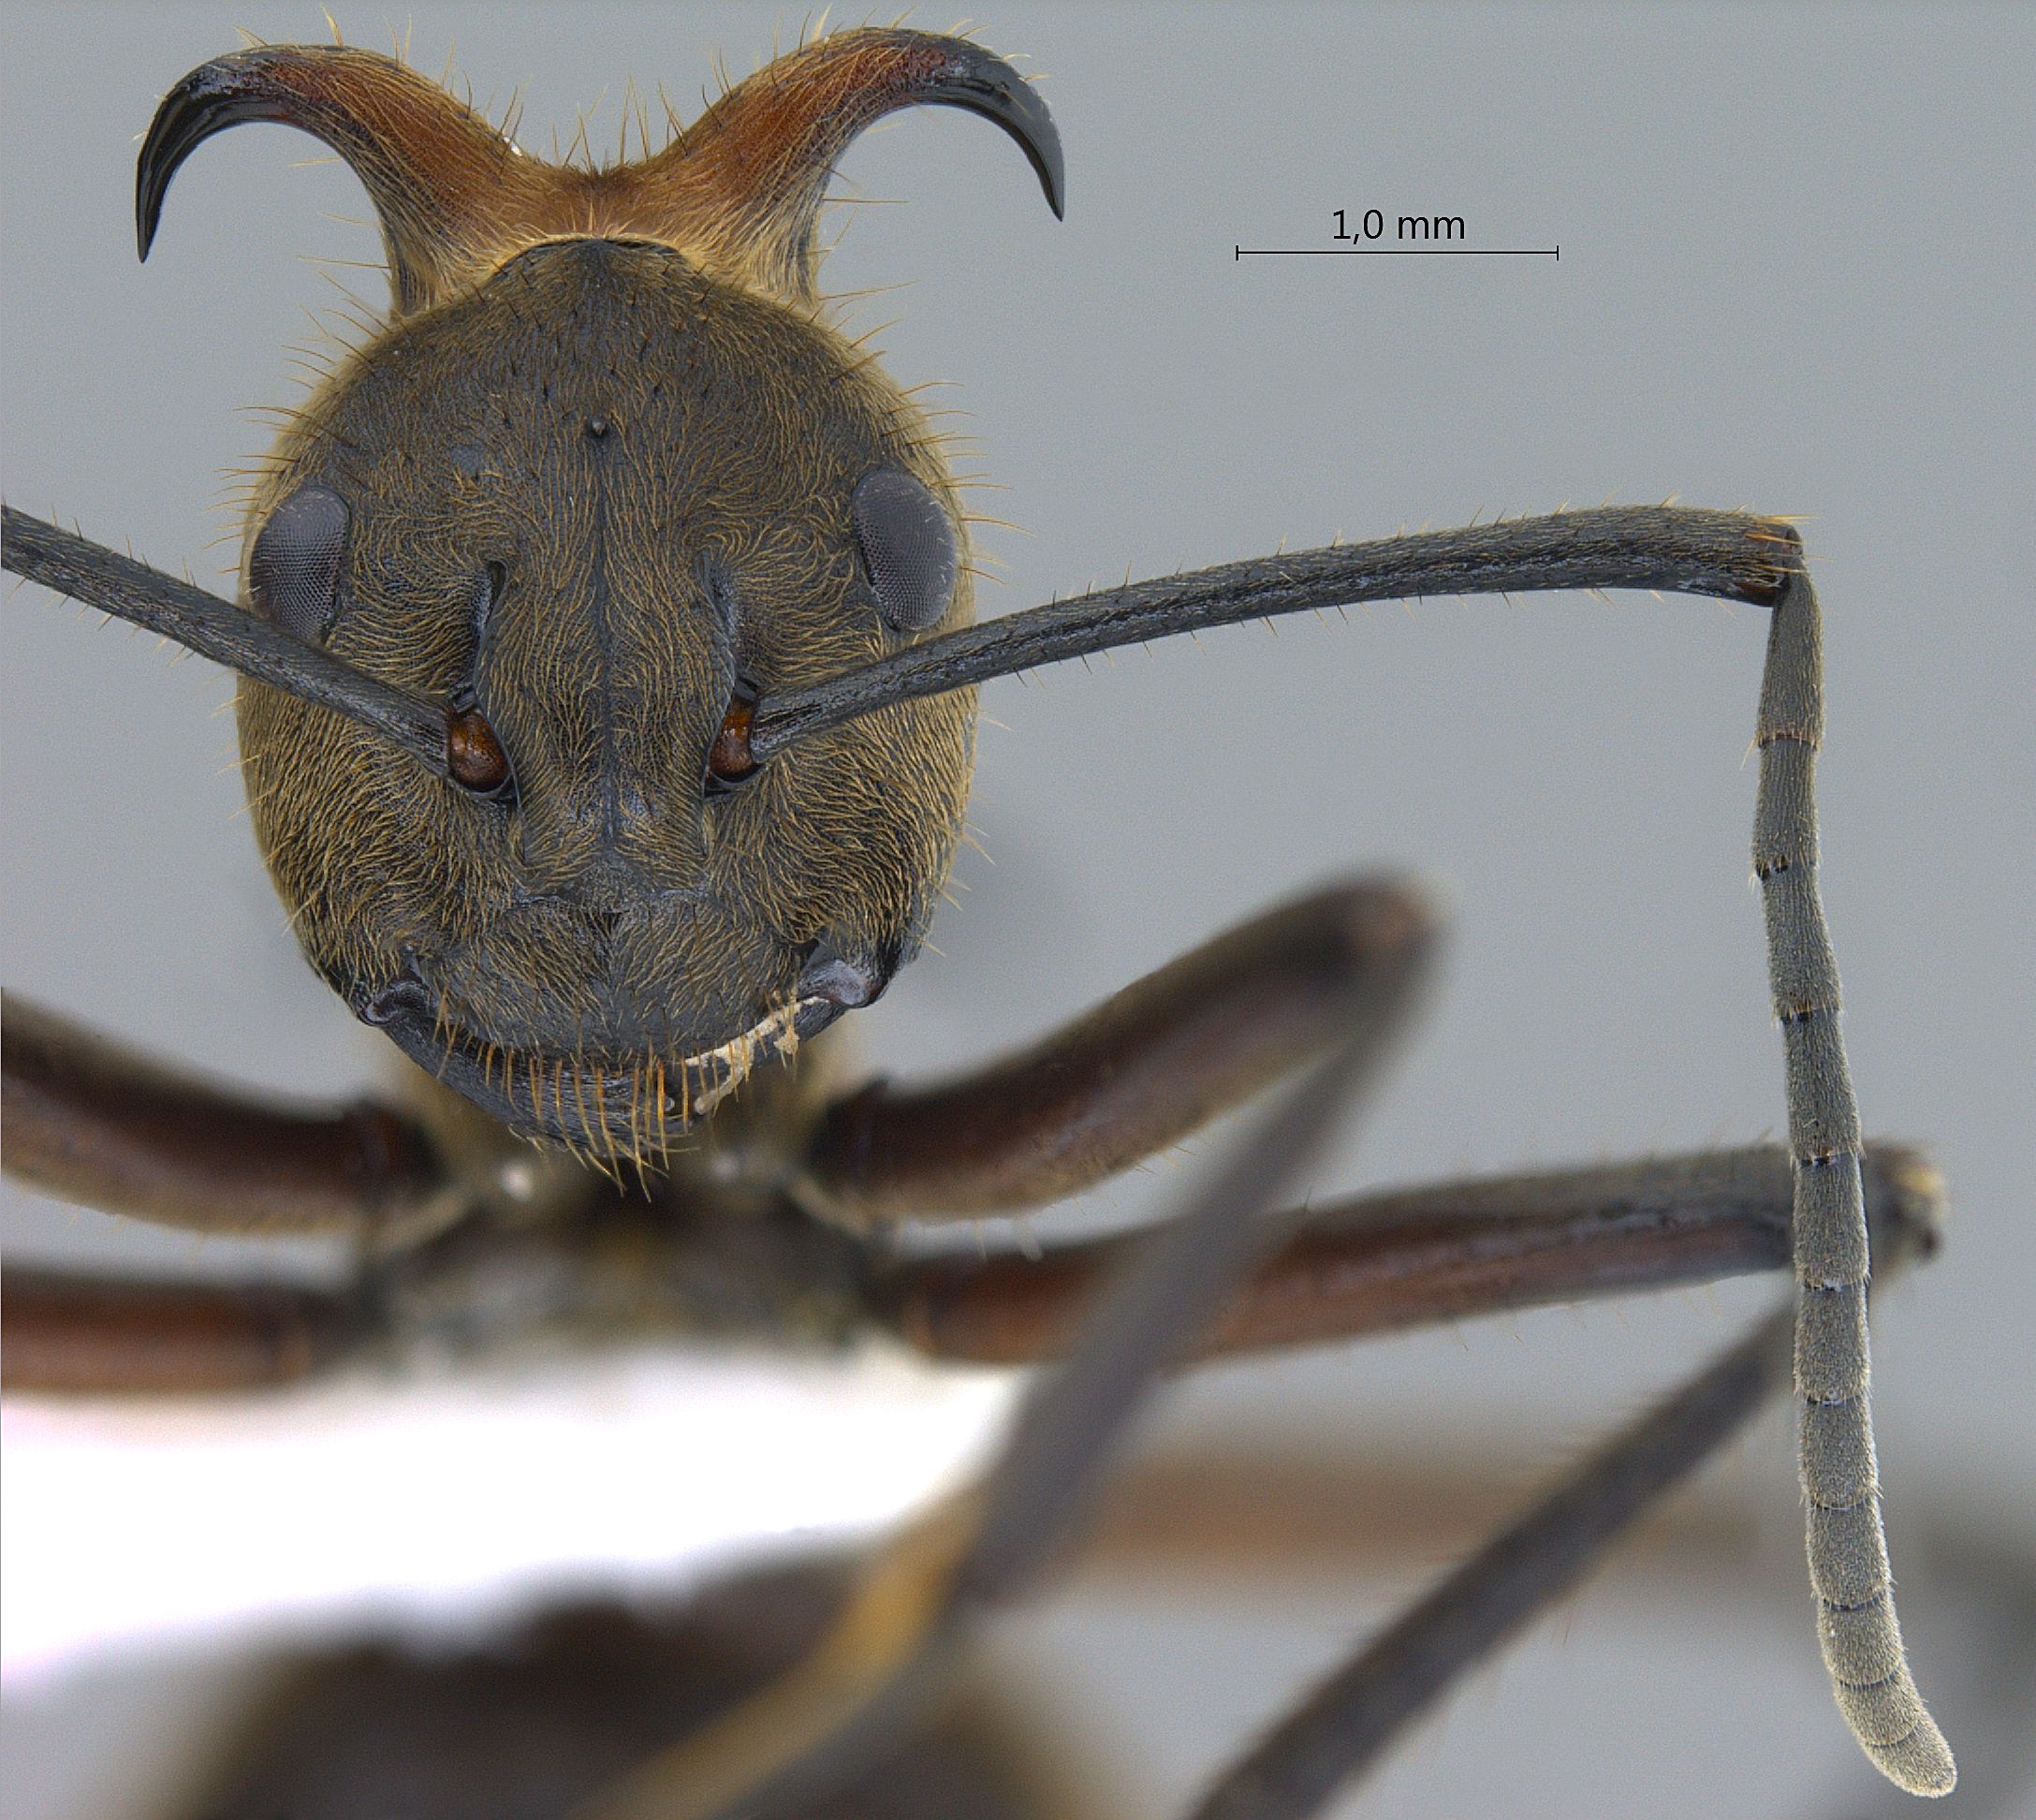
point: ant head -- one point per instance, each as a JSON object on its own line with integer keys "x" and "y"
{"x": 605, "y": 478}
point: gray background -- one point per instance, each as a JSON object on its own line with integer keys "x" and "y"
{"x": 1795, "y": 273}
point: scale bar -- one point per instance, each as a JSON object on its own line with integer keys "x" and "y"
{"x": 1399, "y": 252}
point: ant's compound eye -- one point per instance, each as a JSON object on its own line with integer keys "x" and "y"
{"x": 293, "y": 570}
{"x": 474, "y": 755}
{"x": 907, "y": 544}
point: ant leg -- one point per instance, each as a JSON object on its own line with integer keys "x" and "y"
{"x": 1133, "y": 1075}
{"x": 90, "y": 1121}
{"x": 87, "y": 1334}
{"x": 1383, "y": 1261}
{"x": 1350, "y": 1718}
{"x": 886, "y": 1654}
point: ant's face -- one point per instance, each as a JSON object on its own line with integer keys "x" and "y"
{"x": 599, "y": 504}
